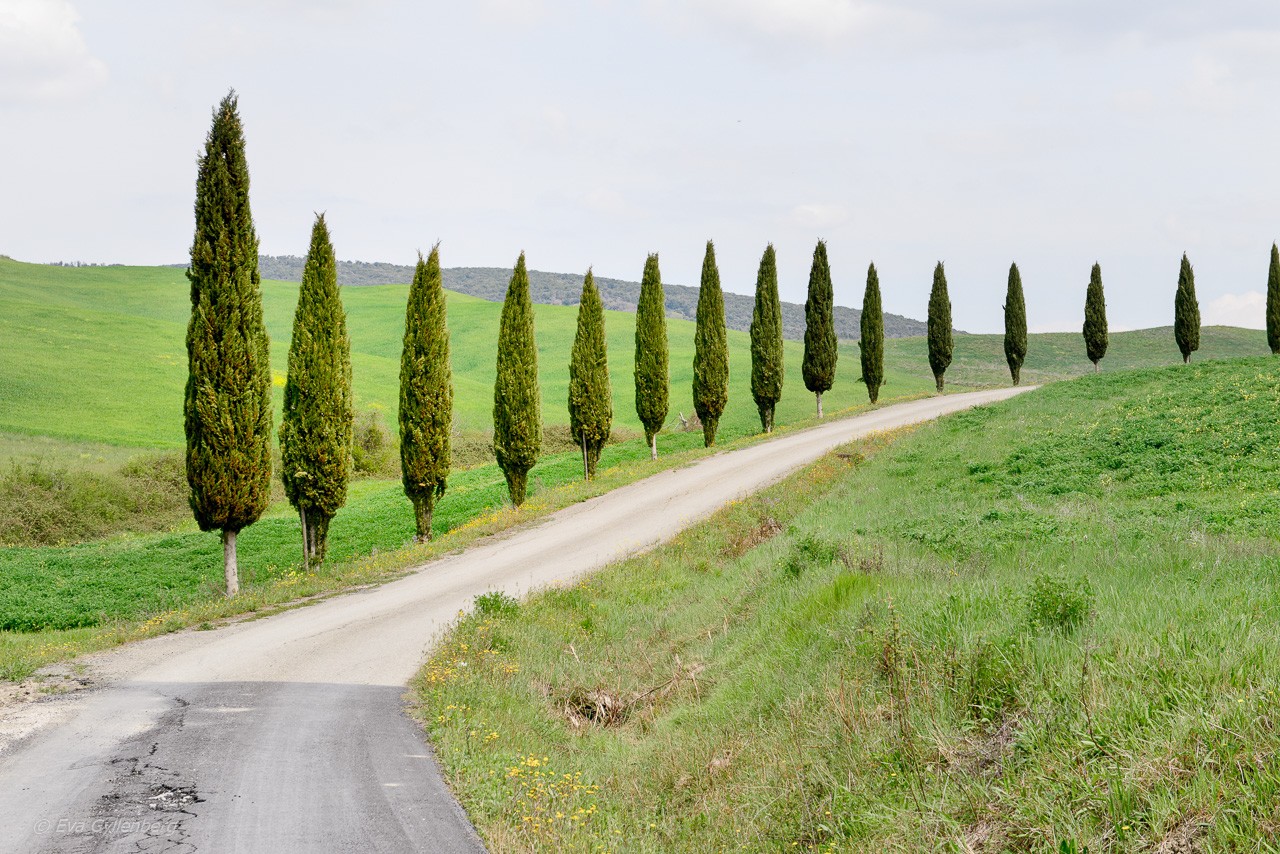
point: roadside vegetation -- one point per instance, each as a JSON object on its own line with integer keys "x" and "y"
{"x": 1047, "y": 625}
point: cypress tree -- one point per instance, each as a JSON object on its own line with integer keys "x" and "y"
{"x": 316, "y": 428}
{"x": 939, "y": 326}
{"x": 590, "y": 399}
{"x": 871, "y": 344}
{"x": 1273, "y": 301}
{"x": 652, "y": 378}
{"x": 426, "y": 394}
{"x": 1015, "y": 324}
{"x": 517, "y": 414}
{"x": 766, "y": 340}
{"x": 710, "y": 350}
{"x": 1186, "y": 312}
{"x": 227, "y": 408}
{"x": 819, "y": 365}
{"x": 1095, "y": 319}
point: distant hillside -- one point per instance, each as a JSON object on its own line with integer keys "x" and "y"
{"x": 490, "y": 283}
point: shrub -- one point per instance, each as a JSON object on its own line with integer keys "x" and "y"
{"x": 497, "y": 605}
{"x": 374, "y": 453}
{"x": 1058, "y": 604}
{"x": 807, "y": 552}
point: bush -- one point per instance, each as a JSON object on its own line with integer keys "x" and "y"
{"x": 1058, "y": 604}
{"x": 807, "y": 552}
{"x": 497, "y": 605}
{"x": 376, "y": 453}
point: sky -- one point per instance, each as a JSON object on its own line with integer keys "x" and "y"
{"x": 1053, "y": 133}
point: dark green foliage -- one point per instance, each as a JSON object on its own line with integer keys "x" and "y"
{"x": 517, "y": 405}
{"x": 652, "y": 378}
{"x": 1273, "y": 301}
{"x": 316, "y": 427}
{"x": 1015, "y": 324}
{"x": 940, "y": 343}
{"x": 227, "y": 409}
{"x": 871, "y": 344}
{"x": 426, "y": 394}
{"x": 590, "y": 398}
{"x": 819, "y": 365}
{"x": 1186, "y": 311}
{"x": 766, "y": 341}
{"x": 1095, "y": 319}
{"x": 710, "y": 351}
{"x": 1058, "y": 604}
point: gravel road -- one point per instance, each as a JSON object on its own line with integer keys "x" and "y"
{"x": 287, "y": 734}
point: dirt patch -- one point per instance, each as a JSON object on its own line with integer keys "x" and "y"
{"x": 766, "y": 529}
{"x": 601, "y": 707}
{"x": 984, "y": 754}
{"x": 1182, "y": 837}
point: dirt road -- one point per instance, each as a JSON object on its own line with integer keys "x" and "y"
{"x": 287, "y": 734}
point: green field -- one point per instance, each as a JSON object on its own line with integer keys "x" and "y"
{"x": 1047, "y": 625}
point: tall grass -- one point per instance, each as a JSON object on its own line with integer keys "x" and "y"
{"x": 1042, "y": 626}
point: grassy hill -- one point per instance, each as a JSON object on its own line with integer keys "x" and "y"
{"x": 1047, "y": 625}
{"x": 96, "y": 356}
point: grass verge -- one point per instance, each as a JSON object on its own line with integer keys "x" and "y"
{"x": 1046, "y": 625}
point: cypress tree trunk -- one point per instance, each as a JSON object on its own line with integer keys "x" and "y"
{"x": 426, "y": 394}
{"x": 819, "y": 365}
{"x": 316, "y": 431}
{"x": 590, "y": 397}
{"x": 710, "y": 351}
{"x": 1273, "y": 301}
{"x": 871, "y": 342}
{"x": 1095, "y": 319}
{"x": 766, "y": 341}
{"x": 1186, "y": 312}
{"x": 517, "y": 411}
{"x": 1015, "y": 324}
{"x": 939, "y": 326}
{"x": 651, "y": 372}
{"x": 227, "y": 407}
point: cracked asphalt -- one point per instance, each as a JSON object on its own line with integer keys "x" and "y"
{"x": 288, "y": 733}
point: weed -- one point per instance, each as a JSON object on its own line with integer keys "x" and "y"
{"x": 497, "y": 605}
{"x": 1058, "y": 604}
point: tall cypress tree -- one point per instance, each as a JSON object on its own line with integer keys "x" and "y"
{"x": 1015, "y": 324}
{"x": 710, "y": 350}
{"x": 316, "y": 429}
{"x": 652, "y": 378}
{"x": 1273, "y": 301}
{"x": 1095, "y": 319}
{"x": 939, "y": 326}
{"x": 766, "y": 340}
{"x": 227, "y": 409}
{"x": 1186, "y": 312}
{"x": 590, "y": 399}
{"x": 517, "y": 410}
{"x": 871, "y": 344}
{"x": 426, "y": 394}
{"x": 819, "y": 365}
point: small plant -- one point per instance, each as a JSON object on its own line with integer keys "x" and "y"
{"x": 809, "y": 551}
{"x": 1058, "y": 603}
{"x": 374, "y": 451}
{"x": 497, "y": 604}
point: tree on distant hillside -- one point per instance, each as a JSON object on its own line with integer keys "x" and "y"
{"x": 710, "y": 351}
{"x": 590, "y": 399}
{"x": 227, "y": 409}
{"x": 871, "y": 344}
{"x": 1186, "y": 312}
{"x": 1273, "y": 301}
{"x": 820, "y": 353}
{"x": 517, "y": 413}
{"x": 766, "y": 341}
{"x": 1095, "y": 319}
{"x": 316, "y": 427}
{"x": 426, "y": 394}
{"x": 940, "y": 343}
{"x": 652, "y": 378}
{"x": 1015, "y": 324}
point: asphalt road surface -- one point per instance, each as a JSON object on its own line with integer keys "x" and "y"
{"x": 287, "y": 734}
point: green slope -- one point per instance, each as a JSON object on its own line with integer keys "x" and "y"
{"x": 1046, "y": 625}
{"x": 96, "y": 355}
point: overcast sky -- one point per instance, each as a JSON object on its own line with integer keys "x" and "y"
{"x": 1054, "y": 133}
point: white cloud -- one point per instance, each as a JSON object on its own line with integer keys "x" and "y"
{"x": 1248, "y": 310}
{"x": 819, "y": 216}
{"x": 814, "y": 22}
{"x": 43, "y": 56}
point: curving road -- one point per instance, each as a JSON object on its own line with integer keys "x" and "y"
{"x": 287, "y": 734}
